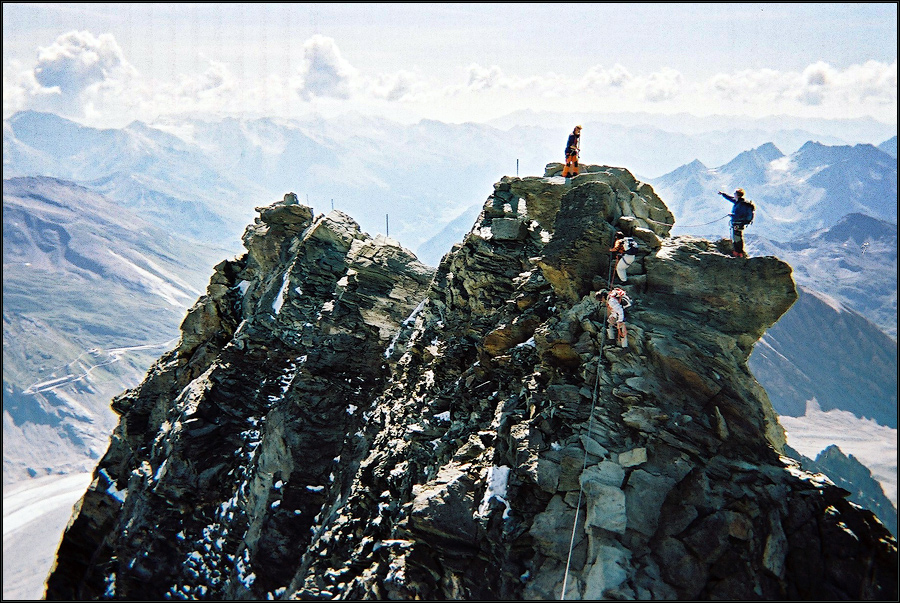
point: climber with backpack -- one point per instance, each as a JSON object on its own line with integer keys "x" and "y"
{"x": 741, "y": 216}
{"x": 572, "y": 150}
{"x": 623, "y": 251}
{"x": 616, "y": 302}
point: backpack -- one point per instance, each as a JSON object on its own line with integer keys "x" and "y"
{"x": 743, "y": 212}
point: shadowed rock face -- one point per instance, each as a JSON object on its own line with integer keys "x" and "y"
{"x": 340, "y": 421}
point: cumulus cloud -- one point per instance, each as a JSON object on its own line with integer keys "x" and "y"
{"x": 662, "y": 85}
{"x": 818, "y": 85}
{"x": 83, "y": 75}
{"x": 750, "y": 86}
{"x": 325, "y": 72}
{"x": 875, "y": 80}
{"x": 815, "y": 81}
{"x": 216, "y": 80}
{"x": 399, "y": 86}
{"x": 872, "y": 82}
{"x": 70, "y": 75}
{"x": 485, "y": 78}
{"x": 78, "y": 60}
{"x": 598, "y": 78}
{"x": 618, "y": 81}
{"x": 86, "y": 76}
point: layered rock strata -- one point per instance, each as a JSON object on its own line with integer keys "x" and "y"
{"x": 340, "y": 421}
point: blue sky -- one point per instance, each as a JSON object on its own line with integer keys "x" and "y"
{"x": 107, "y": 64}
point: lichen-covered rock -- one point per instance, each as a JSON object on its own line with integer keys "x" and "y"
{"x": 339, "y": 421}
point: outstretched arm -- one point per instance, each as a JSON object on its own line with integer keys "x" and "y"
{"x": 727, "y": 196}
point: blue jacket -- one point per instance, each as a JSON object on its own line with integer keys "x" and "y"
{"x": 572, "y": 144}
{"x": 741, "y": 211}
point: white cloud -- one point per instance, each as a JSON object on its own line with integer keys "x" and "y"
{"x": 858, "y": 89}
{"x": 399, "y": 86}
{"x": 597, "y": 82}
{"x": 70, "y": 76}
{"x": 662, "y": 85}
{"x": 217, "y": 79}
{"x": 18, "y": 87}
{"x": 86, "y": 76}
{"x": 749, "y": 86}
{"x": 77, "y": 60}
{"x": 485, "y": 78}
{"x": 598, "y": 78}
{"x": 325, "y": 73}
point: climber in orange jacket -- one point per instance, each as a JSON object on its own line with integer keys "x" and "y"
{"x": 572, "y": 149}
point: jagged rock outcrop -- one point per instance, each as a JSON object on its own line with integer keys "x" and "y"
{"x": 848, "y": 473}
{"x": 339, "y": 421}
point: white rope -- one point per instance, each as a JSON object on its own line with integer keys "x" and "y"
{"x": 689, "y": 225}
{"x": 584, "y": 463}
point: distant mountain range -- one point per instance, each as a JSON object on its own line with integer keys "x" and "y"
{"x": 158, "y": 176}
{"x": 91, "y": 296}
{"x": 784, "y": 130}
{"x": 821, "y": 350}
{"x": 202, "y": 178}
{"x": 794, "y": 194}
{"x": 854, "y": 262}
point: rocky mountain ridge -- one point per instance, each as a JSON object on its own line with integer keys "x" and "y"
{"x": 340, "y": 421}
{"x": 847, "y": 472}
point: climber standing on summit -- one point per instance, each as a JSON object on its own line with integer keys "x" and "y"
{"x": 741, "y": 216}
{"x": 572, "y": 150}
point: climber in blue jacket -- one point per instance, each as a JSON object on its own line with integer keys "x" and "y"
{"x": 741, "y": 216}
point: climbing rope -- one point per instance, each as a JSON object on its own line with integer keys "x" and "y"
{"x": 689, "y": 225}
{"x": 609, "y": 271}
{"x": 584, "y": 463}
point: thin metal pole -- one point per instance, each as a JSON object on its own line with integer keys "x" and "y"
{"x": 517, "y": 167}
{"x": 387, "y": 225}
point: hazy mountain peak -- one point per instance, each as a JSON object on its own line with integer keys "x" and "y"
{"x": 860, "y": 228}
{"x": 768, "y": 151}
{"x": 696, "y": 166}
{"x": 814, "y": 153}
{"x": 687, "y": 172}
{"x": 751, "y": 166}
{"x": 756, "y": 158}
